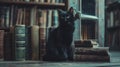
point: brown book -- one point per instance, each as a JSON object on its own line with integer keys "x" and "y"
{"x": 1, "y": 44}
{"x": 35, "y": 42}
{"x": 42, "y": 18}
{"x": 83, "y": 43}
{"x": 92, "y": 51}
{"x": 27, "y": 16}
{"x": 93, "y": 58}
{"x": 42, "y": 33}
{"x": 2, "y": 20}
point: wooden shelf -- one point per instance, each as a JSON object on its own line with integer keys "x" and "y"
{"x": 6, "y": 29}
{"x": 114, "y": 28}
{"x": 113, "y": 6}
{"x": 32, "y": 4}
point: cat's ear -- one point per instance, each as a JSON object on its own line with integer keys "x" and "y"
{"x": 71, "y": 10}
{"x": 77, "y": 16}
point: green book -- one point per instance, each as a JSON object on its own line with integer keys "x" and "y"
{"x": 20, "y": 42}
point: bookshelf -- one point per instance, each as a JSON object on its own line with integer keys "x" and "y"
{"x": 6, "y": 29}
{"x": 31, "y": 4}
{"x": 113, "y": 15}
{"x": 22, "y": 21}
{"x": 113, "y": 24}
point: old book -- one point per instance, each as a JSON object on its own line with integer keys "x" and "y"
{"x": 4, "y": 15}
{"x": 48, "y": 1}
{"x": 26, "y": 19}
{"x": 42, "y": 19}
{"x": 39, "y": 15}
{"x": 14, "y": 15}
{"x": 49, "y": 18}
{"x": 1, "y": 44}
{"x": 111, "y": 23}
{"x": 61, "y": 1}
{"x": 20, "y": 53}
{"x": 93, "y": 58}
{"x": 35, "y": 42}
{"x": 3, "y": 11}
{"x": 93, "y": 51}
{"x": 2, "y": 21}
{"x": 55, "y": 21}
{"x": 116, "y": 18}
{"x": 83, "y": 43}
{"x": 9, "y": 54}
{"x": 52, "y": 1}
{"x": 29, "y": 43}
{"x": 42, "y": 33}
{"x": 36, "y": 1}
{"x": 20, "y": 42}
{"x": 11, "y": 16}
{"x": 41, "y": 1}
{"x": 33, "y": 16}
{"x": 27, "y": 0}
{"x": 57, "y": 1}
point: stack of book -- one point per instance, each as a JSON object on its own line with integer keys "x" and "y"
{"x": 29, "y": 30}
{"x": 90, "y": 53}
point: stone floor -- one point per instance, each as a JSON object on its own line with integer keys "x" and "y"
{"x": 114, "y": 62}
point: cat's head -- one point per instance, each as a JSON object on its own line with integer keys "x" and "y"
{"x": 68, "y": 16}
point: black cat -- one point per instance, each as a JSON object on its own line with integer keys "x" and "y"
{"x": 59, "y": 47}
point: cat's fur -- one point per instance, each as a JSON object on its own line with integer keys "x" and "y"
{"x": 59, "y": 44}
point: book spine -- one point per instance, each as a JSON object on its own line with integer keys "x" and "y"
{"x": 55, "y": 21}
{"x": 35, "y": 42}
{"x": 36, "y": 1}
{"x": 52, "y": 1}
{"x": 27, "y": 0}
{"x": 42, "y": 39}
{"x": 41, "y": 1}
{"x": 29, "y": 44}
{"x": 61, "y": 1}
{"x": 20, "y": 42}
{"x": 57, "y": 1}
{"x": 42, "y": 18}
{"x": 91, "y": 51}
{"x": 8, "y": 43}
{"x": 49, "y": 18}
{"x": 1, "y": 44}
{"x": 48, "y": 1}
{"x": 32, "y": 16}
{"x": 8, "y": 18}
{"x": 94, "y": 58}
{"x": 3, "y": 11}
{"x": 20, "y": 54}
{"x": 2, "y": 21}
